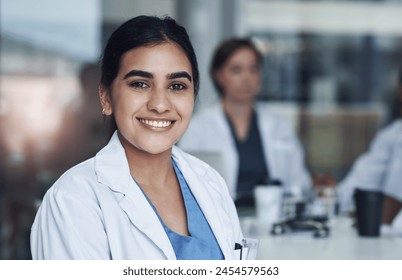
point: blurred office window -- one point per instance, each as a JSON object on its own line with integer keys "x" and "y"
{"x": 49, "y": 113}
{"x": 117, "y": 11}
{"x": 336, "y": 64}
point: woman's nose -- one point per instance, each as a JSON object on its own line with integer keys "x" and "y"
{"x": 159, "y": 101}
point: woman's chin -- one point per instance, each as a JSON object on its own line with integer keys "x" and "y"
{"x": 157, "y": 149}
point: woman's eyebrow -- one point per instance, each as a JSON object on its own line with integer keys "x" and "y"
{"x": 182, "y": 74}
{"x": 139, "y": 73}
{"x": 171, "y": 76}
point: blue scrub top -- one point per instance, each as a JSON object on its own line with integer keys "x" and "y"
{"x": 201, "y": 244}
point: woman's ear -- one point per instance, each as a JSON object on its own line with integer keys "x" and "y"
{"x": 105, "y": 101}
{"x": 218, "y": 77}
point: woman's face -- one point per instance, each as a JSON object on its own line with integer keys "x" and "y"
{"x": 152, "y": 97}
{"x": 239, "y": 77}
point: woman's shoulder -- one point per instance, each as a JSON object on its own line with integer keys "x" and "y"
{"x": 271, "y": 112}
{"x": 395, "y": 126}
{"x": 209, "y": 111}
{"x": 77, "y": 180}
{"x": 390, "y": 132}
{"x": 270, "y": 119}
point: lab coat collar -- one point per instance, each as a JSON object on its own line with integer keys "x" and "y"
{"x": 112, "y": 170}
{"x": 111, "y": 166}
{"x": 266, "y": 127}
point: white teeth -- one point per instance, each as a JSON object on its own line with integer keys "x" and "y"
{"x": 156, "y": 123}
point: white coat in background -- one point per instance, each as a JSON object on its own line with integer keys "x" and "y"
{"x": 209, "y": 131}
{"x": 379, "y": 169}
{"x": 97, "y": 211}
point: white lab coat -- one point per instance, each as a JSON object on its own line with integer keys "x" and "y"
{"x": 379, "y": 169}
{"x": 209, "y": 131}
{"x": 96, "y": 211}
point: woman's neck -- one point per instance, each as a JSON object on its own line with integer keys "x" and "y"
{"x": 237, "y": 109}
{"x": 152, "y": 171}
{"x": 239, "y": 114}
{"x": 149, "y": 169}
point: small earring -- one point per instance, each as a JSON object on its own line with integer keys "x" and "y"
{"x": 103, "y": 111}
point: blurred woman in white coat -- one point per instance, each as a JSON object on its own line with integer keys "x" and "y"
{"x": 379, "y": 169}
{"x": 257, "y": 147}
{"x": 141, "y": 197}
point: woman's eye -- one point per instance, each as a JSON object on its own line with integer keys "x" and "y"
{"x": 235, "y": 70}
{"x": 138, "y": 85}
{"x": 177, "y": 87}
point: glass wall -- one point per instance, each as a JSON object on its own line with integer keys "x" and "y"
{"x": 333, "y": 68}
{"x": 49, "y": 114}
{"x": 343, "y": 69}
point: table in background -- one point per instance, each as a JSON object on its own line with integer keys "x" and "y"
{"x": 343, "y": 243}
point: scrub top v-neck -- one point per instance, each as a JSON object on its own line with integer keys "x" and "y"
{"x": 201, "y": 244}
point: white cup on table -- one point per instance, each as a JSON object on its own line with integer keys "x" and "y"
{"x": 268, "y": 202}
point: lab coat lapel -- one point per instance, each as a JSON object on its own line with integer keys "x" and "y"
{"x": 205, "y": 194}
{"x": 144, "y": 218}
{"x": 113, "y": 171}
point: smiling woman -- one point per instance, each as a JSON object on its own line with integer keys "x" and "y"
{"x": 141, "y": 197}
{"x": 153, "y": 87}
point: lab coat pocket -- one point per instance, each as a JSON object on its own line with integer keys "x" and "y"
{"x": 251, "y": 246}
{"x": 238, "y": 253}
{"x": 247, "y": 249}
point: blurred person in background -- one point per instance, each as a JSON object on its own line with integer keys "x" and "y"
{"x": 141, "y": 197}
{"x": 379, "y": 169}
{"x": 257, "y": 146}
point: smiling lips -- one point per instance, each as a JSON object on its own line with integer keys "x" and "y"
{"x": 156, "y": 124}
